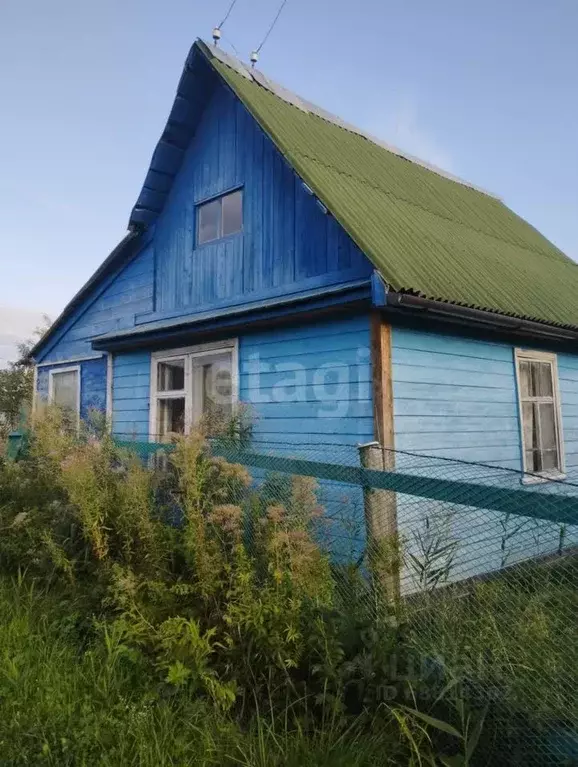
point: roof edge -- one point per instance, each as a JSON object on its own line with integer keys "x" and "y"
{"x": 131, "y": 236}
{"x": 481, "y": 318}
{"x": 251, "y": 73}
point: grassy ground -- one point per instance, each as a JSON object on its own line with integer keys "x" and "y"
{"x": 66, "y": 701}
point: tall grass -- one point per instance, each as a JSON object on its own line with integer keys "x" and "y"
{"x": 72, "y": 698}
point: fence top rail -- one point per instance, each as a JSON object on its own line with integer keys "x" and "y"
{"x": 552, "y": 507}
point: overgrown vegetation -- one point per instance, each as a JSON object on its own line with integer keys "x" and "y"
{"x": 186, "y": 615}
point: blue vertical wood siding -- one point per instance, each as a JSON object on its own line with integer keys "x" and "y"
{"x": 286, "y": 238}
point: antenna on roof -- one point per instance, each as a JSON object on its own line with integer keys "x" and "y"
{"x": 217, "y": 29}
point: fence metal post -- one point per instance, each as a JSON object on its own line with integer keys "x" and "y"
{"x": 380, "y": 509}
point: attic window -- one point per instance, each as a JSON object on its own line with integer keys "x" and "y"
{"x": 220, "y": 217}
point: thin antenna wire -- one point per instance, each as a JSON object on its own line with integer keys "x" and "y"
{"x": 272, "y": 27}
{"x": 230, "y": 42}
{"x": 227, "y": 14}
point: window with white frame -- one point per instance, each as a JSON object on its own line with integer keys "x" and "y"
{"x": 220, "y": 217}
{"x": 64, "y": 391}
{"x": 540, "y": 412}
{"x": 191, "y": 384}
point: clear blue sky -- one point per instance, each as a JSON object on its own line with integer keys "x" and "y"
{"x": 488, "y": 90}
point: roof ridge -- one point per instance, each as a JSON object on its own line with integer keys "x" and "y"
{"x": 278, "y": 90}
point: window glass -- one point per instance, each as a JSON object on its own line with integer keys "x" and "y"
{"x": 171, "y": 375}
{"x": 65, "y": 390}
{"x": 541, "y": 379}
{"x": 220, "y": 217}
{"x": 216, "y": 389}
{"x": 170, "y": 416}
{"x": 547, "y": 425}
{"x": 206, "y": 392}
{"x": 209, "y": 221}
{"x": 232, "y": 213}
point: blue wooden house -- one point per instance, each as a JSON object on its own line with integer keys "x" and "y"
{"x": 281, "y": 257}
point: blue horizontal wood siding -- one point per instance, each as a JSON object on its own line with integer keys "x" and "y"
{"x": 131, "y": 395}
{"x": 93, "y": 389}
{"x": 286, "y": 238}
{"x": 456, "y": 398}
{"x": 310, "y": 385}
{"x": 568, "y": 384}
{"x": 110, "y": 308}
{"x": 309, "y": 388}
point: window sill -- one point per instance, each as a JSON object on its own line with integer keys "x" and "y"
{"x": 540, "y": 479}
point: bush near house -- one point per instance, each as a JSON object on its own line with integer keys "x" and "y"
{"x": 226, "y": 638}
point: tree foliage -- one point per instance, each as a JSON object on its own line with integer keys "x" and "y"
{"x": 16, "y": 382}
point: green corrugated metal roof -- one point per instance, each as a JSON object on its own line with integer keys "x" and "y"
{"x": 425, "y": 233}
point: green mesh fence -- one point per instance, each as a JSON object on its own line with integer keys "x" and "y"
{"x": 478, "y": 563}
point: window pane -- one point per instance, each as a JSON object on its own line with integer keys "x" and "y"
{"x": 170, "y": 416}
{"x": 65, "y": 390}
{"x": 542, "y": 379}
{"x": 530, "y": 425}
{"x": 232, "y": 213}
{"x": 524, "y": 379}
{"x": 171, "y": 375}
{"x": 547, "y": 426}
{"x": 217, "y": 389}
{"x": 209, "y": 221}
{"x": 532, "y": 460}
{"x": 550, "y": 460}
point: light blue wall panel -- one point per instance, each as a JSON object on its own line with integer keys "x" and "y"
{"x": 93, "y": 390}
{"x": 456, "y": 398}
{"x": 310, "y": 386}
{"x": 568, "y": 382}
{"x": 310, "y": 389}
{"x": 286, "y": 237}
{"x": 307, "y": 385}
{"x": 131, "y": 394}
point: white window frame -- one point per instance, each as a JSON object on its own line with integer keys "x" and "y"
{"x": 57, "y": 371}
{"x": 218, "y": 198}
{"x": 189, "y": 353}
{"x": 528, "y": 355}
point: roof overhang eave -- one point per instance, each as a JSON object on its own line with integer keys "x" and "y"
{"x": 480, "y": 318}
